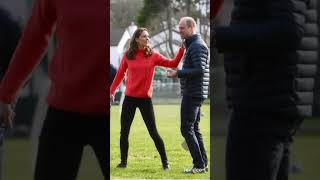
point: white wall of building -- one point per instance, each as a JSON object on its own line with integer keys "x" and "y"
{"x": 114, "y": 56}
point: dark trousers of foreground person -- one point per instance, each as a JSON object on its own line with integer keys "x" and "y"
{"x": 129, "y": 106}
{"x": 190, "y": 119}
{"x": 62, "y": 140}
{"x": 258, "y": 146}
{"x": 2, "y": 130}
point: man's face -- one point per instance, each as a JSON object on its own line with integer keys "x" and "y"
{"x": 184, "y": 30}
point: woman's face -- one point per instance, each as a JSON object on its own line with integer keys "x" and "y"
{"x": 143, "y": 39}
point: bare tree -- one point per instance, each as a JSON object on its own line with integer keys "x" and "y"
{"x": 123, "y": 12}
{"x": 168, "y": 14}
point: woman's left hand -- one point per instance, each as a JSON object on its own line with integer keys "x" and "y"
{"x": 111, "y": 98}
{"x": 7, "y": 114}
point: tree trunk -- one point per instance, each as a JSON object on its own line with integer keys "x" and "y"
{"x": 169, "y": 23}
{"x": 188, "y": 7}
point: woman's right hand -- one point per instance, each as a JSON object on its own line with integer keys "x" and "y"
{"x": 111, "y": 98}
{"x": 7, "y": 114}
{"x": 183, "y": 43}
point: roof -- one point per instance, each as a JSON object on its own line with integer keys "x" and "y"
{"x": 115, "y": 36}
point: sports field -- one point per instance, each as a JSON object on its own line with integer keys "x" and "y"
{"x": 18, "y": 162}
{"x": 305, "y": 154}
{"x": 144, "y": 161}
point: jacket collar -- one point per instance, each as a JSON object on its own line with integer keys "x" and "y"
{"x": 191, "y": 39}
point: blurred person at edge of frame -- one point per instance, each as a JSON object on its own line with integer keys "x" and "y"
{"x": 260, "y": 60}
{"x": 78, "y": 112}
{"x": 10, "y": 31}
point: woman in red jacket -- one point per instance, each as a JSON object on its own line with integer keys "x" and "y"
{"x": 78, "y": 113}
{"x": 139, "y": 62}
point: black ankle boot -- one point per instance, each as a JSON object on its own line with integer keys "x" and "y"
{"x": 122, "y": 165}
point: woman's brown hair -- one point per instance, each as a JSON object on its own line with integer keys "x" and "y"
{"x": 133, "y": 46}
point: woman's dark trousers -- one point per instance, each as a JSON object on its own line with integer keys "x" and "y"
{"x": 128, "y": 111}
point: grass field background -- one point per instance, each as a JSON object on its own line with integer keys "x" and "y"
{"x": 305, "y": 152}
{"x": 18, "y": 162}
{"x": 144, "y": 160}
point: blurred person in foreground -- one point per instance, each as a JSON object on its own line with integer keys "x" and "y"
{"x": 260, "y": 56}
{"x": 9, "y": 36}
{"x": 78, "y": 112}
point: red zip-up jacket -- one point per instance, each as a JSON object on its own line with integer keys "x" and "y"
{"x": 79, "y": 68}
{"x": 141, "y": 71}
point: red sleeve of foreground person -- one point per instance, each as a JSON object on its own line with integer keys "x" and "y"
{"x": 141, "y": 72}
{"x": 79, "y": 68}
{"x": 28, "y": 53}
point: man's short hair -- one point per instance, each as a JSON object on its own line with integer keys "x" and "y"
{"x": 189, "y": 21}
